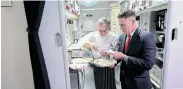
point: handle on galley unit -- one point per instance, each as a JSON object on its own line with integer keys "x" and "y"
{"x": 58, "y": 41}
{"x": 174, "y": 34}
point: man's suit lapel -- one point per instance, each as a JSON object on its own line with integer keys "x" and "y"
{"x": 135, "y": 41}
{"x": 122, "y": 43}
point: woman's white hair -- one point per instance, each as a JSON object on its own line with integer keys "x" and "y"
{"x": 104, "y": 20}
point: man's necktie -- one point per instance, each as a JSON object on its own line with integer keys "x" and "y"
{"x": 127, "y": 43}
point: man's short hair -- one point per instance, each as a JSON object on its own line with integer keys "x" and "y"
{"x": 104, "y": 20}
{"x": 126, "y": 14}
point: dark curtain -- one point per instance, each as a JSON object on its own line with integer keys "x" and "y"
{"x": 34, "y": 11}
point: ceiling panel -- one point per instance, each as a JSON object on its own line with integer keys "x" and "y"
{"x": 97, "y": 13}
{"x": 99, "y": 4}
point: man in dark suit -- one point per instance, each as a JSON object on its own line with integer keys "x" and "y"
{"x": 137, "y": 52}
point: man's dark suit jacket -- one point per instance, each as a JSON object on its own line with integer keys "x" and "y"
{"x": 141, "y": 52}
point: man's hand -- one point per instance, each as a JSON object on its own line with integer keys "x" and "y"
{"x": 104, "y": 54}
{"x": 94, "y": 47}
{"x": 90, "y": 45}
{"x": 118, "y": 55}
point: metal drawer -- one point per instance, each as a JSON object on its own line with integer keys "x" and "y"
{"x": 69, "y": 56}
{"x": 156, "y": 73}
{"x": 74, "y": 79}
{"x": 76, "y": 53}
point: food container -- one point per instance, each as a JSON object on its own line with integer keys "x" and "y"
{"x": 80, "y": 63}
{"x": 83, "y": 60}
{"x": 104, "y": 62}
